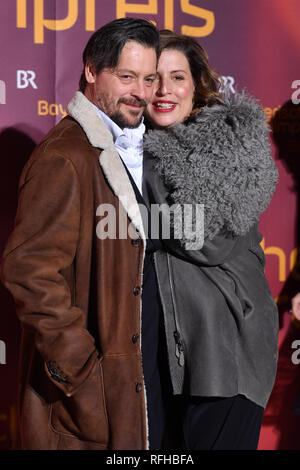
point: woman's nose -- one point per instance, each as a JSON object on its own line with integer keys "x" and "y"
{"x": 163, "y": 88}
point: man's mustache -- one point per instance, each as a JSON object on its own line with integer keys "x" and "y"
{"x": 133, "y": 102}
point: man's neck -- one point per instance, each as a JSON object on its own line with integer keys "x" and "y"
{"x": 115, "y": 130}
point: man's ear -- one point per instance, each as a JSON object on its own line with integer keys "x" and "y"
{"x": 90, "y": 73}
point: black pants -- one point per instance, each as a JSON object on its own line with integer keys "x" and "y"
{"x": 151, "y": 331}
{"x": 231, "y": 423}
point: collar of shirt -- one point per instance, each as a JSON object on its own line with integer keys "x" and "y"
{"x": 129, "y": 143}
{"x": 126, "y": 138}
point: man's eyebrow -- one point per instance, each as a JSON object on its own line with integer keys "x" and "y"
{"x": 134, "y": 73}
{"x": 125, "y": 71}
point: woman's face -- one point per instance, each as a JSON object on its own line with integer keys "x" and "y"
{"x": 172, "y": 99}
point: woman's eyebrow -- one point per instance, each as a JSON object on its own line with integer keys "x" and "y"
{"x": 176, "y": 71}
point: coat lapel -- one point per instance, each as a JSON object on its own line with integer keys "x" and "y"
{"x": 83, "y": 112}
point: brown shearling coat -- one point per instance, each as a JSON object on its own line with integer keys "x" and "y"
{"x": 81, "y": 381}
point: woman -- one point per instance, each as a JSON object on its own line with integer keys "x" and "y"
{"x": 220, "y": 318}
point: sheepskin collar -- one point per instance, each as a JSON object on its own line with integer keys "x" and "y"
{"x": 220, "y": 158}
{"x": 82, "y": 110}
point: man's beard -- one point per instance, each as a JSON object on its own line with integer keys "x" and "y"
{"x": 122, "y": 120}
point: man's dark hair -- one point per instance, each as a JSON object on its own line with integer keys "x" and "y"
{"x": 105, "y": 46}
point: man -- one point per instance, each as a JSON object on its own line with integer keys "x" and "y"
{"x": 86, "y": 382}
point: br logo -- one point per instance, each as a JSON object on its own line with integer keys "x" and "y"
{"x": 26, "y": 78}
{"x": 227, "y": 82}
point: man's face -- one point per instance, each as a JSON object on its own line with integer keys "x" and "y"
{"x": 124, "y": 92}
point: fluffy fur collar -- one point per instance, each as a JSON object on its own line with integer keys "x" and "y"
{"x": 220, "y": 158}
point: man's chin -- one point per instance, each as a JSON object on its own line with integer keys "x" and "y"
{"x": 123, "y": 120}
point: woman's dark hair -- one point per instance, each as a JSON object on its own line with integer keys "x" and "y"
{"x": 206, "y": 80}
{"x": 105, "y": 46}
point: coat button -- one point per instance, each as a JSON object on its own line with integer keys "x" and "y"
{"x": 135, "y": 338}
{"x": 137, "y": 290}
{"x": 138, "y": 387}
{"x": 136, "y": 242}
{"x": 51, "y": 364}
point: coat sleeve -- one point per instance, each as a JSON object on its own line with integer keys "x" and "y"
{"x": 43, "y": 244}
{"x": 213, "y": 252}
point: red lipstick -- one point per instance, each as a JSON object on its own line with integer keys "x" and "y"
{"x": 164, "y": 106}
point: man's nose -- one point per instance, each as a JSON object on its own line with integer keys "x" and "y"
{"x": 139, "y": 89}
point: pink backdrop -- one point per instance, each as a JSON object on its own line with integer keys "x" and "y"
{"x": 253, "y": 44}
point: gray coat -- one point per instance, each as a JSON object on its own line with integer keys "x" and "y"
{"x": 220, "y": 317}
